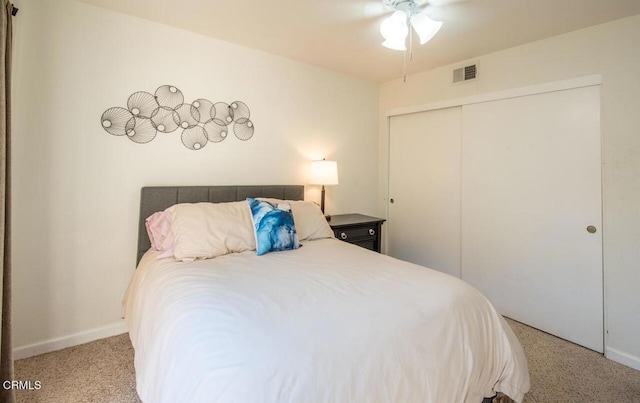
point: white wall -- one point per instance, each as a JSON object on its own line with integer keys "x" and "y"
{"x": 76, "y": 187}
{"x": 613, "y": 50}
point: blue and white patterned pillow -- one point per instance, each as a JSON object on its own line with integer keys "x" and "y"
{"x": 273, "y": 225}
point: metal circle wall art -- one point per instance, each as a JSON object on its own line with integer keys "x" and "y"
{"x": 240, "y": 110}
{"x": 243, "y": 129}
{"x": 142, "y": 104}
{"x": 142, "y": 131}
{"x": 117, "y": 121}
{"x": 204, "y": 108}
{"x": 222, "y": 113}
{"x": 169, "y": 96}
{"x": 216, "y": 130}
{"x": 165, "y": 111}
{"x": 194, "y": 138}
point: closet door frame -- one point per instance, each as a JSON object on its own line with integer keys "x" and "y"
{"x": 574, "y": 83}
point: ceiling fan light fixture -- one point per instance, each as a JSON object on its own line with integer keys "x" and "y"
{"x": 425, "y": 27}
{"x": 398, "y": 44}
{"x": 395, "y": 30}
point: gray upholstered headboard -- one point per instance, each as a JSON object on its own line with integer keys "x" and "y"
{"x": 158, "y": 198}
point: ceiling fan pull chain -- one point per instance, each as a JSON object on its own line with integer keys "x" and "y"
{"x": 404, "y": 66}
{"x": 410, "y": 50}
{"x": 410, "y": 44}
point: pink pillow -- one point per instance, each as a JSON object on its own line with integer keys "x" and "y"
{"x": 160, "y": 233}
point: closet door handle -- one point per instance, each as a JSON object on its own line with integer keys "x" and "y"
{"x": 591, "y": 229}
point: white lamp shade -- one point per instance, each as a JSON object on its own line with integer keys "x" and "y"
{"x": 425, "y": 27}
{"x": 395, "y": 31}
{"x": 323, "y": 173}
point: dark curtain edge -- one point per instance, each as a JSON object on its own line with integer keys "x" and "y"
{"x": 6, "y": 345}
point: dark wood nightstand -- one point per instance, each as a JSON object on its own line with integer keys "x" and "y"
{"x": 358, "y": 229}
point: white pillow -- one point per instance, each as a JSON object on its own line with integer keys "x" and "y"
{"x": 206, "y": 230}
{"x": 310, "y": 222}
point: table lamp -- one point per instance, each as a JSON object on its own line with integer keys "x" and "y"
{"x": 323, "y": 173}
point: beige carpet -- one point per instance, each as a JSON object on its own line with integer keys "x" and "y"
{"x": 96, "y": 372}
{"x": 102, "y": 371}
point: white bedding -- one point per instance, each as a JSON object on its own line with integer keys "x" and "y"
{"x": 329, "y": 322}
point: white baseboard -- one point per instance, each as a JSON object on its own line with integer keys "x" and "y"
{"x": 69, "y": 341}
{"x": 623, "y": 358}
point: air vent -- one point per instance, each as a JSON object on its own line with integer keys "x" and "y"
{"x": 465, "y": 73}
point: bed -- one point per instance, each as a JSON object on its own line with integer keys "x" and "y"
{"x": 326, "y": 321}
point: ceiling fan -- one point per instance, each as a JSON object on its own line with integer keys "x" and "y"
{"x": 395, "y": 29}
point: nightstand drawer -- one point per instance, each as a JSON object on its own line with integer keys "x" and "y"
{"x": 357, "y": 233}
{"x": 371, "y": 245}
{"x": 358, "y": 229}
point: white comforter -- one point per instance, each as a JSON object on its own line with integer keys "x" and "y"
{"x": 329, "y": 322}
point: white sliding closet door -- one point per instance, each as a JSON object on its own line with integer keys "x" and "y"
{"x": 531, "y": 186}
{"x": 424, "y": 184}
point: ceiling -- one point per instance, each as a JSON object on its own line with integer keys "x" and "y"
{"x": 343, "y": 35}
